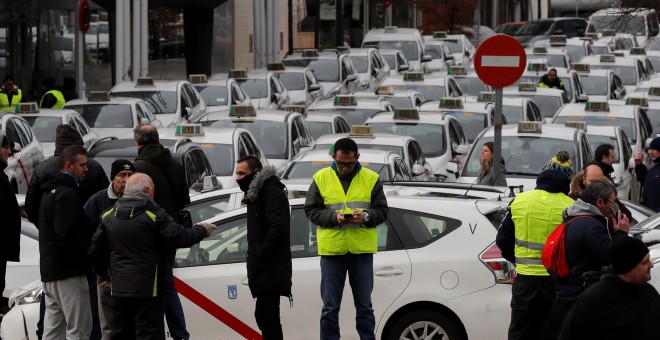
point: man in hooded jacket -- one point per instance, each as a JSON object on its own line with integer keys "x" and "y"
{"x": 10, "y": 234}
{"x": 269, "y": 251}
{"x": 650, "y": 178}
{"x": 550, "y": 80}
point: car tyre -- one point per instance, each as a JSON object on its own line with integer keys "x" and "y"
{"x": 425, "y": 324}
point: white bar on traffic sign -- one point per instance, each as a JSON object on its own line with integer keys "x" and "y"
{"x": 500, "y": 61}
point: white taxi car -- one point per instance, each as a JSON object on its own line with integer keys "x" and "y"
{"x": 438, "y": 50}
{"x": 600, "y": 82}
{"x": 527, "y": 148}
{"x": 172, "y": 101}
{"x": 514, "y": 110}
{"x": 473, "y": 116}
{"x": 548, "y": 100}
{"x": 396, "y": 60}
{"x": 652, "y": 111}
{"x": 26, "y": 151}
{"x": 432, "y": 87}
{"x": 568, "y": 76}
{"x": 113, "y": 116}
{"x": 407, "y": 40}
{"x": 370, "y": 65}
{"x": 440, "y": 136}
{"x": 301, "y": 83}
{"x": 630, "y": 70}
{"x": 355, "y": 109}
{"x": 219, "y": 94}
{"x": 263, "y": 87}
{"x": 333, "y": 69}
{"x": 461, "y": 47}
{"x": 556, "y": 57}
{"x": 468, "y": 80}
{"x": 323, "y": 123}
{"x": 403, "y": 99}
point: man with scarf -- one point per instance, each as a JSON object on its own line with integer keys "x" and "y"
{"x": 551, "y": 81}
{"x": 10, "y": 94}
{"x": 346, "y": 201}
{"x": 269, "y": 251}
{"x": 650, "y": 178}
{"x": 604, "y": 158}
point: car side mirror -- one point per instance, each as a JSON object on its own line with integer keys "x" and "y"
{"x": 417, "y": 170}
{"x": 403, "y": 68}
{"x": 452, "y": 168}
{"x": 314, "y": 87}
{"x": 351, "y": 77}
{"x": 188, "y": 111}
{"x": 449, "y": 57}
{"x": 17, "y": 147}
{"x": 583, "y": 98}
{"x": 467, "y": 53}
{"x": 426, "y": 58}
{"x": 462, "y": 149}
{"x": 144, "y": 120}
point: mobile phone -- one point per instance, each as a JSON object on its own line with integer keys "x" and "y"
{"x": 348, "y": 216}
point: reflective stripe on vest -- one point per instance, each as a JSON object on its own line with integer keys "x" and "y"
{"x": 15, "y": 99}
{"x": 58, "y": 96}
{"x": 349, "y": 238}
{"x": 535, "y": 215}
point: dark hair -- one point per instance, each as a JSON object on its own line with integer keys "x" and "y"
{"x": 552, "y": 69}
{"x": 253, "y": 162}
{"x": 49, "y": 82}
{"x": 70, "y": 153}
{"x": 145, "y": 134}
{"x": 603, "y": 150}
{"x": 491, "y": 147}
{"x": 346, "y": 145}
{"x": 69, "y": 84}
{"x": 9, "y": 76}
{"x": 597, "y": 189}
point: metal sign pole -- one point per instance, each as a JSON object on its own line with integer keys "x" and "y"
{"x": 497, "y": 141}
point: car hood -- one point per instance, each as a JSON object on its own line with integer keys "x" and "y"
{"x": 298, "y": 97}
{"x": 121, "y": 133}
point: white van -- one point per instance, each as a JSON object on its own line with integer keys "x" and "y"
{"x": 642, "y": 23}
{"x": 408, "y": 40}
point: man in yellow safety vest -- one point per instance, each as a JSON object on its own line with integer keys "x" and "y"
{"x": 10, "y": 94}
{"x": 52, "y": 98}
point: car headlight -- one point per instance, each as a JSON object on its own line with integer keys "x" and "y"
{"x": 31, "y": 293}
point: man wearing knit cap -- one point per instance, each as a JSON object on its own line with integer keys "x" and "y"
{"x": 10, "y": 94}
{"x": 650, "y": 178}
{"x": 621, "y": 305}
{"x": 562, "y": 163}
{"x": 530, "y": 218}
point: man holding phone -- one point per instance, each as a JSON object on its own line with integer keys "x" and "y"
{"x": 346, "y": 201}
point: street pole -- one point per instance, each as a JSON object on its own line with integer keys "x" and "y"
{"x": 497, "y": 141}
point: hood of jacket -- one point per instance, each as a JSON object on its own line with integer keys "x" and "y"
{"x": 111, "y": 192}
{"x": 56, "y": 178}
{"x": 133, "y": 203}
{"x": 582, "y": 208}
{"x": 553, "y": 181}
{"x": 155, "y": 154}
{"x": 260, "y": 179}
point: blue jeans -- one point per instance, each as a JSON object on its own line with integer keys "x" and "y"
{"x": 176, "y": 321}
{"x": 361, "y": 278}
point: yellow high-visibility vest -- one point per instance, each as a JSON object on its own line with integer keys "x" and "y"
{"x": 58, "y": 95}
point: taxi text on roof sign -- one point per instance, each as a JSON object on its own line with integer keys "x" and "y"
{"x": 242, "y": 111}
{"x": 145, "y": 81}
{"x": 439, "y": 34}
{"x": 597, "y": 106}
{"x": 413, "y": 76}
{"x": 451, "y": 103}
{"x": 486, "y": 96}
{"x": 619, "y": 54}
{"x": 539, "y": 50}
{"x": 654, "y": 91}
{"x": 98, "y": 96}
{"x": 390, "y": 29}
{"x": 361, "y": 131}
{"x": 458, "y": 70}
{"x": 608, "y": 32}
{"x": 557, "y": 40}
{"x": 537, "y": 67}
{"x": 385, "y": 90}
{"x": 197, "y": 78}
{"x": 343, "y": 49}
{"x": 637, "y": 51}
{"x": 343, "y": 100}
{"x": 189, "y": 130}
{"x": 582, "y": 67}
{"x": 406, "y": 114}
{"x": 310, "y": 53}
{"x": 576, "y": 125}
{"x": 238, "y": 73}
{"x": 641, "y": 101}
{"x": 607, "y": 58}
{"x": 527, "y": 86}
{"x": 302, "y": 109}
{"x": 275, "y": 67}
{"x": 529, "y": 127}
{"x": 27, "y": 108}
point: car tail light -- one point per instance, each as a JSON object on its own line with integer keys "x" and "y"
{"x": 504, "y": 271}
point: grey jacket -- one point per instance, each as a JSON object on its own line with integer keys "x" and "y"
{"x": 487, "y": 178}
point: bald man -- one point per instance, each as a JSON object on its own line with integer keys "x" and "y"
{"x": 595, "y": 173}
{"x": 125, "y": 246}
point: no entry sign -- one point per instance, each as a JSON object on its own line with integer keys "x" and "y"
{"x": 500, "y": 60}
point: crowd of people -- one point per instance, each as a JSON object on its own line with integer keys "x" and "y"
{"x": 53, "y": 95}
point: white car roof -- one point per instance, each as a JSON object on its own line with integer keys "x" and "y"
{"x": 366, "y": 155}
{"x": 262, "y": 114}
{"x": 596, "y": 73}
{"x": 370, "y": 103}
{"x": 47, "y": 112}
{"x": 377, "y": 139}
{"x": 379, "y": 34}
{"x": 470, "y": 106}
{"x": 619, "y": 61}
{"x": 425, "y": 117}
{"x": 211, "y": 135}
{"x": 112, "y": 101}
{"x": 608, "y": 131}
{"x": 315, "y": 116}
{"x": 540, "y": 91}
{"x": 429, "y": 79}
{"x": 577, "y": 110}
{"x": 159, "y": 85}
{"x": 547, "y": 131}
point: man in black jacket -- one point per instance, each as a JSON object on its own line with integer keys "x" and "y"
{"x": 127, "y": 257}
{"x": 269, "y": 251}
{"x": 10, "y": 234}
{"x": 604, "y": 158}
{"x": 172, "y": 195}
{"x": 64, "y": 236}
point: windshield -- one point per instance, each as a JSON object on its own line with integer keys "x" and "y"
{"x": 655, "y": 62}
{"x": 594, "y": 85}
{"x": 598, "y": 50}
{"x": 213, "y": 95}
{"x": 512, "y": 114}
{"x": 627, "y": 74}
{"x": 158, "y": 101}
{"x": 471, "y": 85}
{"x": 435, "y": 51}
{"x": 221, "y": 157}
{"x": 654, "y": 117}
{"x": 105, "y": 115}
{"x": 255, "y": 88}
{"x": 353, "y": 117}
{"x": 391, "y": 60}
{"x": 631, "y": 24}
{"x": 596, "y": 140}
{"x": 325, "y": 70}
{"x": 400, "y": 102}
{"x": 318, "y": 129}
{"x": 292, "y": 81}
{"x": 472, "y": 122}
{"x": 308, "y": 169}
{"x": 430, "y": 137}
{"x": 547, "y": 105}
{"x": 626, "y": 124}
{"x": 430, "y": 92}
{"x": 455, "y": 45}
{"x": 409, "y": 48}
{"x": 535, "y": 27}
{"x": 524, "y": 156}
{"x": 361, "y": 63}
{"x": 576, "y": 52}
{"x": 44, "y": 127}
{"x": 271, "y": 136}
{"x": 396, "y": 149}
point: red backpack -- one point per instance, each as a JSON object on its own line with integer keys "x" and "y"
{"x": 553, "y": 256}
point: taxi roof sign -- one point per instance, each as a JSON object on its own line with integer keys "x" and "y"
{"x": 238, "y": 73}
{"x": 486, "y": 96}
{"x": 557, "y": 40}
{"x": 310, "y": 53}
{"x": 607, "y": 58}
{"x": 345, "y": 100}
{"x": 385, "y": 90}
{"x": 582, "y": 67}
{"x": 576, "y": 125}
{"x": 529, "y": 127}
{"x": 654, "y": 91}
{"x": 451, "y": 103}
{"x": 535, "y": 67}
{"x": 597, "y": 106}
{"x": 240, "y": 111}
{"x": 413, "y": 76}
{"x": 189, "y": 130}
{"x": 641, "y": 101}
{"x": 619, "y": 54}
{"x": 144, "y": 81}
{"x": 391, "y": 29}
{"x": 458, "y": 70}
{"x": 439, "y": 34}
{"x": 608, "y": 32}
{"x": 527, "y": 87}
{"x": 302, "y": 109}
{"x": 275, "y": 67}
{"x": 98, "y": 96}
{"x": 361, "y": 131}
{"x": 27, "y": 108}
{"x": 539, "y": 50}
{"x": 406, "y": 114}
{"x": 343, "y": 49}
{"x": 197, "y": 79}
{"x": 637, "y": 51}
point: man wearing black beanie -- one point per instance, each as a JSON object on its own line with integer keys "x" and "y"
{"x": 621, "y": 305}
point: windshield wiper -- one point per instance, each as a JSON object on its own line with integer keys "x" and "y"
{"x": 521, "y": 174}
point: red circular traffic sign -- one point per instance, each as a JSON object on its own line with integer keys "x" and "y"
{"x": 84, "y": 16}
{"x": 500, "y": 60}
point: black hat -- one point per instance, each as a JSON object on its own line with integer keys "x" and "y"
{"x": 627, "y": 252}
{"x": 120, "y": 165}
{"x": 655, "y": 144}
{"x": 9, "y": 77}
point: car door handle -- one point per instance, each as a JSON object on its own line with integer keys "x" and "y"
{"x": 389, "y": 271}
{"x": 244, "y": 282}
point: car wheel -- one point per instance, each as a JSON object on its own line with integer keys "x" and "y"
{"x": 425, "y": 324}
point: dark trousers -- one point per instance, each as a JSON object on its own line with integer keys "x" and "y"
{"x": 176, "y": 321}
{"x": 560, "y": 309}
{"x": 267, "y": 313}
{"x": 138, "y": 319}
{"x": 531, "y": 301}
{"x": 5, "y": 302}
